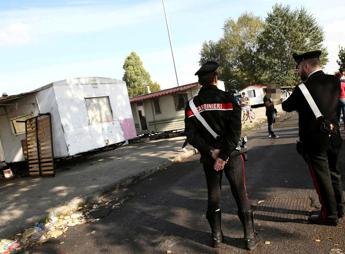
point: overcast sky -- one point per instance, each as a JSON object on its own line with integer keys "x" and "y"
{"x": 42, "y": 41}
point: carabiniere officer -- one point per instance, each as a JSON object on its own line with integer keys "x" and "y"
{"x": 320, "y": 143}
{"x": 223, "y": 114}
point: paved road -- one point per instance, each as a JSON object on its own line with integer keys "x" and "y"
{"x": 166, "y": 212}
{"x": 27, "y": 200}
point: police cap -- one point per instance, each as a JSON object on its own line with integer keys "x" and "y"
{"x": 307, "y": 55}
{"x": 208, "y": 67}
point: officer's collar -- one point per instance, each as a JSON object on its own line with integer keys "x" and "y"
{"x": 207, "y": 87}
{"x": 317, "y": 70}
{"x": 314, "y": 73}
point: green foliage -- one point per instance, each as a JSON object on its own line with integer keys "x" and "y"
{"x": 285, "y": 32}
{"x": 252, "y": 51}
{"x": 136, "y": 77}
{"x": 341, "y": 56}
{"x": 236, "y": 51}
{"x": 154, "y": 87}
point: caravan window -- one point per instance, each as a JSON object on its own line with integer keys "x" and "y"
{"x": 98, "y": 110}
{"x": 18, "y": 124}
{"x": 251, "y": 93}
{"x": 180, "y": 101}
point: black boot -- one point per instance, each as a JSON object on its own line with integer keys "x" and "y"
{"x": 214, "y": 218}
{"x": 247, "y": 219}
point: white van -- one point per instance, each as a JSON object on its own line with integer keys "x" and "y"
{"x": 255, "y": 93}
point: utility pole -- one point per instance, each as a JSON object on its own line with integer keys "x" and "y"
{"x": 171, "y": 48}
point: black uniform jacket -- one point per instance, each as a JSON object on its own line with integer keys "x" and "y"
{"x": 325, "y": 91}
{"x": 222, "y": 113}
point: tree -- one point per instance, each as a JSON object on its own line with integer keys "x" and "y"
{"x": 285, "y": 32}
{"x": 136, "y": 77}
{"x": 154, "y": 87}
{"x": 341, "y": 56}
{"x": 236, "y": 51}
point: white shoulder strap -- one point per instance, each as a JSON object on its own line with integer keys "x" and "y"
{"x": 201, "y": 119}
{"x": 310, "y": 100}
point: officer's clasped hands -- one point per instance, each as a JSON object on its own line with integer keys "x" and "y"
{"x": 219, "y": 163}
{"x": 215, "y": 153}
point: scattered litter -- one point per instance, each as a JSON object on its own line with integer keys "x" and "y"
{"x": 39, "y": 230}
{"x": 56, "y": 233}
{"x": 267, "y": 242}
{"x": 53, "y": 219}
{"x": 336, "y": 251}
{"x": 53, "y": 227}
{"x": 260, "y": 201}
{"x": 317, "y": 240}
{"x": 5, "y": 171}
{"x": 33, "y": 234}
{"x": 9, "y": 246}
{"x": 169, "y": 252}
{"x": 8, "y": 173}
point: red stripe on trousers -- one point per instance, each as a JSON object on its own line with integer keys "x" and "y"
{"x": 244, "y": 176}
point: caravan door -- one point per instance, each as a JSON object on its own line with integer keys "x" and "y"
{"x": 256, "y": 96}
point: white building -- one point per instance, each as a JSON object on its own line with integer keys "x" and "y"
{"x": 255, "y": 93}
{"x": 163, "y": 110}
{"x": 86, "y": 113}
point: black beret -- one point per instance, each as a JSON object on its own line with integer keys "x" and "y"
{"x": 208, "y": 67}
{"x": 307, "y": 55}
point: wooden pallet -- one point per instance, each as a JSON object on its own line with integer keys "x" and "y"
{"x": 39, "y": 146}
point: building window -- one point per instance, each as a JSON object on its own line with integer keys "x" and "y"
{"x": 180, "y": 101}
{"x": 18, "y": 124}
{"x": 98, "y": 110}
{"x": 251, "y": 93}
{"x": 157, "y": 106}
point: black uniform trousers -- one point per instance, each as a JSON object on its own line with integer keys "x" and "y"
{"x": 235, "y": 172}
{"x": 327, "y": 181}
{"x": 271, "y": 115}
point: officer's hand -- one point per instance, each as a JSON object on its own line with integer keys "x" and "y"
{"x": 215, "y": 153}
{"x": 219, "y": 164}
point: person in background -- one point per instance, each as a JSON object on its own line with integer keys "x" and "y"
{"x": 271, "y": 114}
{"x": 341, "y": 105}
{"x": 342, "y": 73}
{"x": 245, "y": 104}
{"x": 223, "y": 114}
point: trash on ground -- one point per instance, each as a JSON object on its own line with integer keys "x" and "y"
{"x": 336, "y": 251}
{"x": 33, "y": 234}
{"x": 53, "y": 227}
{"x": 9, "y": 246}
{"x": 8, "y": 173}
